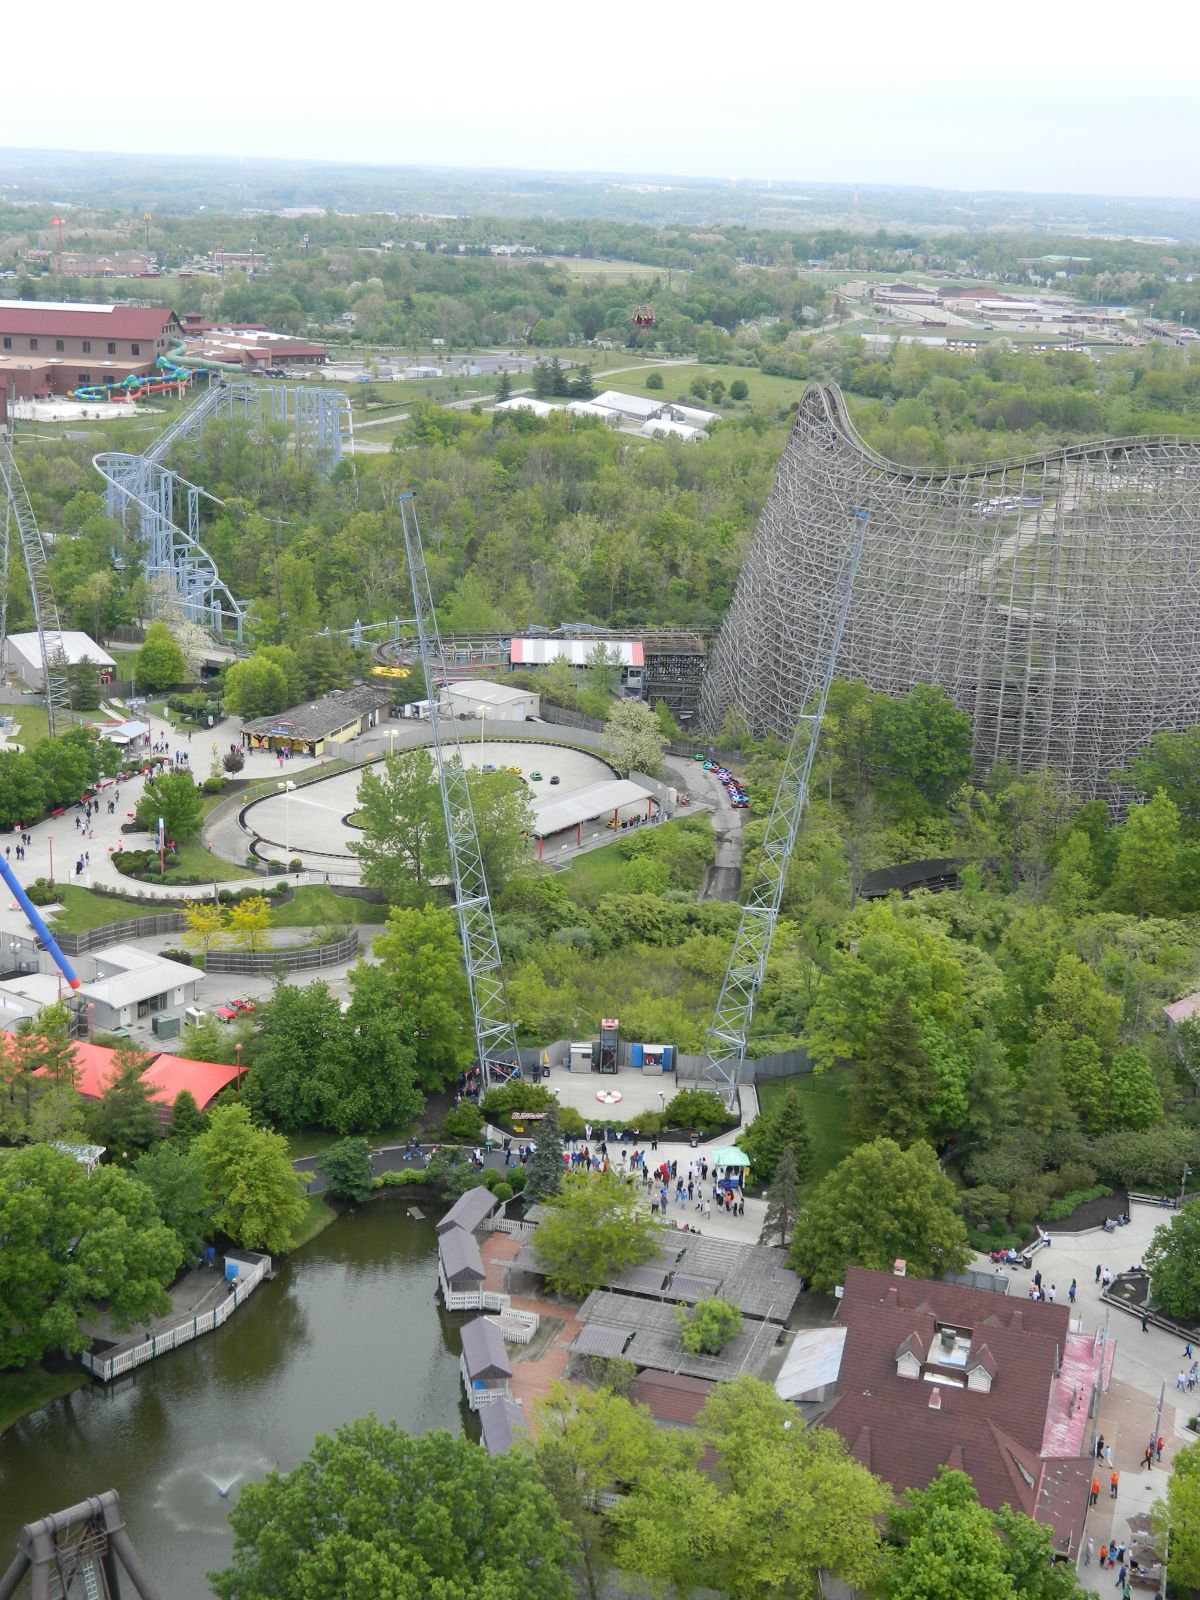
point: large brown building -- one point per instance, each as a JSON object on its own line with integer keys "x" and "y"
{"x": 1001, "y": 1389}
{"x": 62, "y": 345}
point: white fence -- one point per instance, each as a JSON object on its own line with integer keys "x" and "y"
{"x": 108, "y": 1367}
{"x": 482, "y": 1396}
{"x": 472, "y": 1299}
{"x": 498, "y": 1224}
{"x": 517, "y": 1326}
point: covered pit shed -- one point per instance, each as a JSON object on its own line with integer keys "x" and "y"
{"x": 617, "y": 800}
{"x": 460, "y": 1266}
{"x": 470, "y": 1210}
{"x": 24, "y": 655}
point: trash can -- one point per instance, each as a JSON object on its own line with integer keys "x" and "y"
{"x": 694, "y": 1141}
{"x": 546, "y": 1070}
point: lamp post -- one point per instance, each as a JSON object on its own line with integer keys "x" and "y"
{"x": 287, "y": 786}
{"x": 50, "y": 842}
{"x": 238, "y": 1053}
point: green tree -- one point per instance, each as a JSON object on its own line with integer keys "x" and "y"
{"x": 950, "y": 1544}
{"x": 783, "y": 1126}
{"x": 377, "y": 1086}
{"x": 175, "y": 798}
{"x": 1176, "y": 1521}
{"x": 346, "y": 1168}
{"x": 256, "y": 1196}
{"x": 1134, "y": 1100}
{"x": 299, "y": 1059}
{"x": 1146, "y": 876}
{"x": 544, "y": 1170}
{"x": 922, "y": 741}
{"x": 1173, "y": 1262}
{"x": 159, "y": 662}
{"x": 783, "y": 1201}
{"x": 631, "y": 739}
{"x": 503, "y": 385}
{"x": 255, "y": 687}
{"x": 403, "y": 840}
{"x": 707, "y": 1327}
{"x": 1170, "y": 763}
{"x": 250, "y": 922}
{"x": 739, "y": 389}
{"x": 422, "y": 957}
{"x": 71, "y": 1242}
{"x": 85, "y": 685}
{"x": 654, "y": 380}
{"x": 125, "y": 1118}
{"x": 887, "y": 1086}
{"x": 174, "y": 1176}
{"x": 880, "y": 1204}
{"x": 595, "y": 1227}
{"x": 372, "y": 1510}
{"x": 771, "y": 1472}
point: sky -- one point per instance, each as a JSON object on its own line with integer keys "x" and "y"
{"x": 1071, "y": 97}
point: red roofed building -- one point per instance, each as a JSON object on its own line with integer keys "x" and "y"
{"x": 133, "y": 334}
{"x": 1000, "y": 1389}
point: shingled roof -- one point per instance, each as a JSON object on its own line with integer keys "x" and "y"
{"x": 903, "y": 1428}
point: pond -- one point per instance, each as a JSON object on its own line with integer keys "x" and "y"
{"x": 349, "y": 1325}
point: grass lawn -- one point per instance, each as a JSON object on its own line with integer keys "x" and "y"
{"x": 826, "y": 1100}
{"x": 599, "y": 872}
{"x": 318, "y": 1219}
{"x": 621, "y": 271}
{"x": 312, "y": 1141}
{"x": 316, "y": 904}
{"x": 767, "y": 393}
{"x": 194, "y": 861}
{"x": 31, "y": 1387}
{"x": 83, "y": 910}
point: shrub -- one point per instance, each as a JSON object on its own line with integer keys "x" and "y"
{"x": 185, "y": 957}
{"x": 614, "y": 1373}
{"x": 212, "y": 785}
{"x": 516, "y": 1177}
{"x": 42, "y": 892}
{"x": 464, "y": 1121}
{"x": 708, "y": 1326}
{"x": 519, "y": 1096}
{"x": 398, "y": 1180}
{"x": 295, "y": 865}
{"x": 654, "y": 380}
{"x": 986, "y": 1204}
{"x": 571, "y": 1122}
{"x": 738, "y": 389}
{"x": 1063, "y": 1207}
{"x": 696, "y": 1108}
{"x": 503, "y": 1191}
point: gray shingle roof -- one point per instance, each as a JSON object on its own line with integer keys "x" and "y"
{"x": 459, "y": 1255}
{"x": 597, "y": 1339}
{"x": 501, "y": 1422}
{"x": 483, "y": 1350}
{"x": 315, "y": 719}
{"x": 469, "y": 1210}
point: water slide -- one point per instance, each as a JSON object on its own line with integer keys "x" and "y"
{"x": 168, "y": 375}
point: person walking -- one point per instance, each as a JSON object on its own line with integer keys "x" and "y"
{"x": 1089, "y": 1550}
{"x": 1145, "y": 1322}
{"x": 1181, "y": 1380}
{"x": 1148, "y": 1458}
{"x": 1112, "y": 1484}
{"x": 1099, "y": 1270}
{"x": 1103, "y": 1556}
{"x": 1120, "y": 1584}
{"x": 1071, "y": 1292}
{"x": 1100, "y": 1447}
{"x": 1158, "y": 1446}
{"x": 1096, "y": 1488}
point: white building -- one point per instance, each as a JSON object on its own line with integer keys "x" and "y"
{"x": 24, "y": 654}
{"x": 526, "y": 402}
{"x": 130, "y": 983}
{"x": 629, "y": 654}
{"x": 589, "y": 408}
{"x": 634, "y": 406}
{"x": 664, "y": 428}
{"x": 479, "y": 697}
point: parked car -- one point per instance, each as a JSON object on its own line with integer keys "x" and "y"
{"x": 554, "y": 778}
{"x": 226, "y": 1013}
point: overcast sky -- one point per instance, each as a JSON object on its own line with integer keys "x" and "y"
{"x": 1071, "y": 96}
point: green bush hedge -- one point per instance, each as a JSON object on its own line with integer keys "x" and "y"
{"x": 1063, "y": 1207}
{"x": 515, "y": 1097}
{"x": 398, "y": 1180}
{"x": 463, "y": 1121}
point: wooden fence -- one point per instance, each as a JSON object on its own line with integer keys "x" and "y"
{"x": 108, "y": 1367}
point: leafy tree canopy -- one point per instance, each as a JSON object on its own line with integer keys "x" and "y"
{"x": 594, "y": 1229}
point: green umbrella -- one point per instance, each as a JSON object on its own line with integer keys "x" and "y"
{"x": 728, "y": 1155}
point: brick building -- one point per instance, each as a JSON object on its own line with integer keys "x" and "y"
{"x": 60, "y": 346}
{"x": 933, "y": 1372}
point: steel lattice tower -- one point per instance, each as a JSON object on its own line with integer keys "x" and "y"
{"x": 1055, "y": 598}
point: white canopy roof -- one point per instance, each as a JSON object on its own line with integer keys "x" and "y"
{"x": 552, "y": 815}
{"x": 73, "y": 645}
{"x": 812, "y": 1363}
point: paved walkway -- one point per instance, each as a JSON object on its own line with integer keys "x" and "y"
{"x": 1143, "y": 1364}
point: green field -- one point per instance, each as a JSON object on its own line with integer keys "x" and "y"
{"x": 767, "y": 393}
{"x": 620, "y": 271}
{"x": 599, "y": 872}
{"x": 826, "y": 1100}
{"x": 316, "y": 905}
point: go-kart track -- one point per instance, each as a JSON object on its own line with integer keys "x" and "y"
{"x": 310, "y": 822}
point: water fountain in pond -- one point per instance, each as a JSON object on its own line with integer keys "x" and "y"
{"x": 197, "y": 1496}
